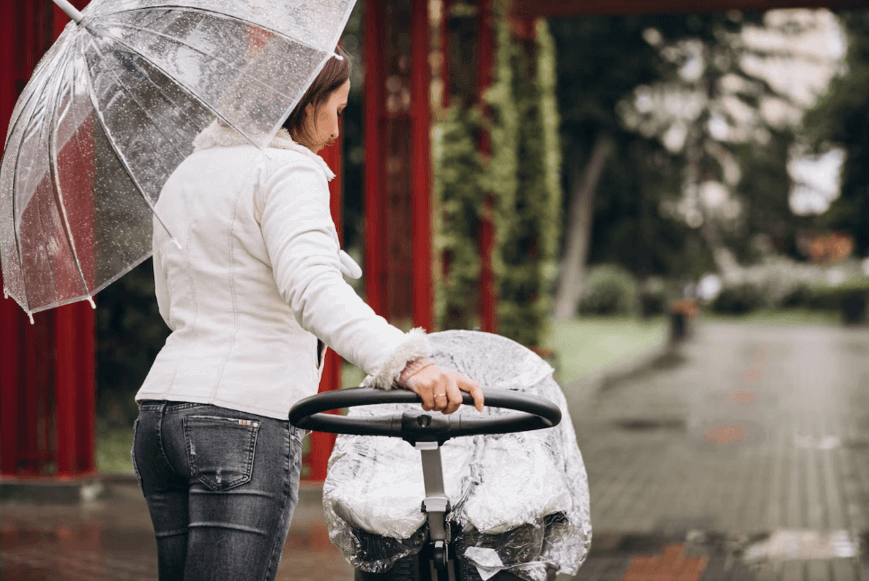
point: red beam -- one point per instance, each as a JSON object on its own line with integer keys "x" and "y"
{"x": 550, "y": 8}
{"x": 485, "y": 76}
{"x": 375, "y": 240}
{"x": 420, "y": 166}
{"x": 10, "y": 313}
{"x": 65, "y": 388}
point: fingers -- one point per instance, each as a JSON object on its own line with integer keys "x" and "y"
{"x": 454, "y": 396}
{"x": 425, "y": 393}
{"x": 473, "y": 388}
{"x": 441, "y": 390}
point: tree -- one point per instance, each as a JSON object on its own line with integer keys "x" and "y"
{"x": 841, "y": 119}
{"x": 601, "y": 62}
{"x": 731, "y": 112}
{"x": 697, "y": 158}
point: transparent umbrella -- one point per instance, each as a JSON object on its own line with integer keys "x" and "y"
{"x": 114, "y": 107}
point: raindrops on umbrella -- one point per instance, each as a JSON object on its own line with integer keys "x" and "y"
{"x": 114, "y": 107}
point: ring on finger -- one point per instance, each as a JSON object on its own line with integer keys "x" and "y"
{"x": 440, "y": 395}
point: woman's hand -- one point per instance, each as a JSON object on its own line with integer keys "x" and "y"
{"x": 440, "y": 389}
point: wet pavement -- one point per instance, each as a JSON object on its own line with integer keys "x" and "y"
{"x": 743, "y": 456}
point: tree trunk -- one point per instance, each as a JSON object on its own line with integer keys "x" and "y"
{"x": 578, "y": 232}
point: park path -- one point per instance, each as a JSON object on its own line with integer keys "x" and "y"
{"x": 743, "y": 455}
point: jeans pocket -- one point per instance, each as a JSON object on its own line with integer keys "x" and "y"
{"x": 133, "y": 453}
{"x": 220, "y": 451}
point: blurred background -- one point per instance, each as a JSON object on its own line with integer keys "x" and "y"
{"x": 718, "y": 158}
{"x": 671, "y": 208}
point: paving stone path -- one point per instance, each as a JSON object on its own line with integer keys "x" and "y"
{"x": 742, "y": 457}
{"x": 745, "y": 455}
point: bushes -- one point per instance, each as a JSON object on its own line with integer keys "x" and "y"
{"x": 850, "y": 298}
{"x": 608, "y": 290}
{"x": 784, "y": 285}
{"x": 739, "y": 299}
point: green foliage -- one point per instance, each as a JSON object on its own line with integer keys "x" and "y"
{"x": 528, "y": 220}
{"x": 460, "y": 194}
{"x": 850, "y": 298}
{"x": 608, "y": 290}
{"x": 841, "y": 119}
{"x": 130, "y": 333}
{"x": 738, "y": 299}
{"x": 653, "y": 298}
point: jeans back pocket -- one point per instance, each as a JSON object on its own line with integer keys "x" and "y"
{"x": 220, "y": 451}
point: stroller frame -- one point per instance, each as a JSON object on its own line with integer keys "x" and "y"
{"x": 440, "y": 558}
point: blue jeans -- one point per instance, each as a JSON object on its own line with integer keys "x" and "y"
{"x": 221, "y": 487}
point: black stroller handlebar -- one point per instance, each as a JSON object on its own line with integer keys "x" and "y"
{"x": 533, "y": 413}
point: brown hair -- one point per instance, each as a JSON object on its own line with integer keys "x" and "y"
{"x": 334, "y": 74}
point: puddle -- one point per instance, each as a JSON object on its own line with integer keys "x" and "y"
{"x": 646, "y": 425}
{"x": 798, "y": 544}
{"x": 817, "y": 442}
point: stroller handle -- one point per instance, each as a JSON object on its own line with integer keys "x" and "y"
{"x": 533, "y": 413}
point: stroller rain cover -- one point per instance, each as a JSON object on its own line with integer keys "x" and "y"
{"x": 519, "y": 501}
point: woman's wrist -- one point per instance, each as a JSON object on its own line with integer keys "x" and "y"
{"x": 413, "y": 367}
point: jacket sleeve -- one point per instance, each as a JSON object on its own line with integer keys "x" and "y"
{"x": 303, "y": 249}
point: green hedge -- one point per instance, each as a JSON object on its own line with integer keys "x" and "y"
{"x": 608, "y": 290}
{"x": 528, "y": 224}
{"x": 459, "y": 190}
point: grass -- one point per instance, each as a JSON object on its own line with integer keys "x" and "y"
{"x": 789, "y": 317}
{"x": 588, "y": 344}
{"x": 113, "y": 449}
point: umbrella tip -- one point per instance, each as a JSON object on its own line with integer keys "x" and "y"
{"x": 177, "y": 244}
{"x": 30, "y": 316}
{"x": 91, "y": 301}
{"x": 5, "y": 293}
{"x": 337, "y": 56}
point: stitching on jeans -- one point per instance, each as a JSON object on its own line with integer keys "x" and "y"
{"x": 278, "y": 548}
{"x": 133, "y": 453}
{"x": 160, "y": 440}
{"x": 248, "y": 473}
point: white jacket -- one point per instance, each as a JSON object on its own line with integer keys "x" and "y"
{"x": 258, "y": 279}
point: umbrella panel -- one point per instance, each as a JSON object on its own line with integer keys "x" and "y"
{"x": 318, "y": 22}
{"x": 102, "y": 125}
{"x": 244, "y": 73}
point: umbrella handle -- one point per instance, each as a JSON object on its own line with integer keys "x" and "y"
{"x": 70, "y": 10}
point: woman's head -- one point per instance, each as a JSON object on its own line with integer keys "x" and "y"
{"x": 314, "y": 121}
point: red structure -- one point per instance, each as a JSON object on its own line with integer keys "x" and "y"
{"x": 398, "y": 254}
{"x": 46, "y": 369}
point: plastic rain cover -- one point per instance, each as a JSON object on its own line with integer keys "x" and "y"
{"x": 519, "y": 501}
{"x": 114, "y": 107}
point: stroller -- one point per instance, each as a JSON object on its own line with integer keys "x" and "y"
{"x": 503, "y": 495}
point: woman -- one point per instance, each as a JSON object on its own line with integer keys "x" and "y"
{"x": 257, "y": 283}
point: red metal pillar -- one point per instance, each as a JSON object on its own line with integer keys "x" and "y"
{"x": 488, "y": 284}
{"x": 74, "y": 329}
{"x": 421, "y": 165}
{"x": 10, "y": 313}
{"x": 375, "y": 240}
{"x": 46, "y": 369}
{"x": 322, "y": 443}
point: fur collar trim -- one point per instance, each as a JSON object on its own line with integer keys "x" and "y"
{"x": 219, "y": 135}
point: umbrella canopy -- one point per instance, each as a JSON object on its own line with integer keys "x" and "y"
{"x": 114, "y": 107}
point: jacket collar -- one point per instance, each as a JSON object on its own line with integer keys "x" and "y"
{"x": 219, "y": 135}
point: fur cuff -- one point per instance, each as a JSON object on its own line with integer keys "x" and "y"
{"x": 415, "y": 345}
